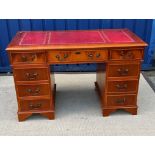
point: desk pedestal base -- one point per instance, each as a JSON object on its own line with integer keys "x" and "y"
{"x": 49, "y": 114}
{"x": 106, "y": 111}
{"x": 24, "y": 115}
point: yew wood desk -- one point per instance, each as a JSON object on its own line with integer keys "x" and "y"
{"x": 117, "y": 52}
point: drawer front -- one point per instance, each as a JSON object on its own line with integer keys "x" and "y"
{"x": 34, "y": 105}
{"x": 121, "y": 100}
{"x": 126, "y": 54}
{"x": 77, "y": 56}
{"x": 123, "y": 70}
{"x": 33, "y": 90}
{"x": 122, "y": 86}
{"x": 30, "y": 58}
{"x": 31, "y": 74}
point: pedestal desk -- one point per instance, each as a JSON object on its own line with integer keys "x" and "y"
{"x": 117, "y": 52}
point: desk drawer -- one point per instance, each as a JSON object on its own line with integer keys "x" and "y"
{"x": 31, "y": 74}
{"x": 122, "y": 86}
{"x": 33, "y": 90}
{"x": 28, "y": 58}
{"x": 34, "y": 105}
{"x": 123, "y": 70}
{"x": 121, "y": 100}
{"x": 77, "y": 56}
{"x": 126, "y": 54}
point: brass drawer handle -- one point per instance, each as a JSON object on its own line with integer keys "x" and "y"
{"x": 121, "y": 101}
{"x": 36, "y": 106}
{"x": 122, "y": 53}
{"x": 123, "y": 71}
{"x": 90, "y": 55}
{"x": 127, "y": 54}
{"x": 31, "y": 76}
{"x": 120, "y": 87}
{"x": 23, "y": 58}
{"x": 26, "y": 58}
{"x": 65, "y": 55}
{"x": 130, "y": 55}
{"x": 58, "y": 57}
{"x": 62, "y": 59}
{"x": 33, "y": 57}
{"x": 98, "y": 55}
{"x": 35, "y": 92}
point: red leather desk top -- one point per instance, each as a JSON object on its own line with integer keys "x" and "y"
{"x": 83, "y": 37}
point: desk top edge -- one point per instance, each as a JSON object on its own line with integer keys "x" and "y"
{"x": 14, "y": 44}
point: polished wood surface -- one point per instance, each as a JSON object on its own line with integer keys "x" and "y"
{"x": 118, "y": 54}
{"x": 126, "y": 54}
{"x": 25, "y": 90}
{"x": 34, "y": 105}
{"x": 122, "y": 86}
{"x": 121, "y": 100}
{"x": 123, "y": 69}
{"x": 30, "y": 57}
{"x": 31, "y": 74}
{"x": 77, "y": 56}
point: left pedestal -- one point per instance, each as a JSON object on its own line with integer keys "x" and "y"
{"x": 35, "y": 87}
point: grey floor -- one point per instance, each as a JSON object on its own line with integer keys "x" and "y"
{"x": 78, "y": 111}
{"x": 150, "y": 77}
